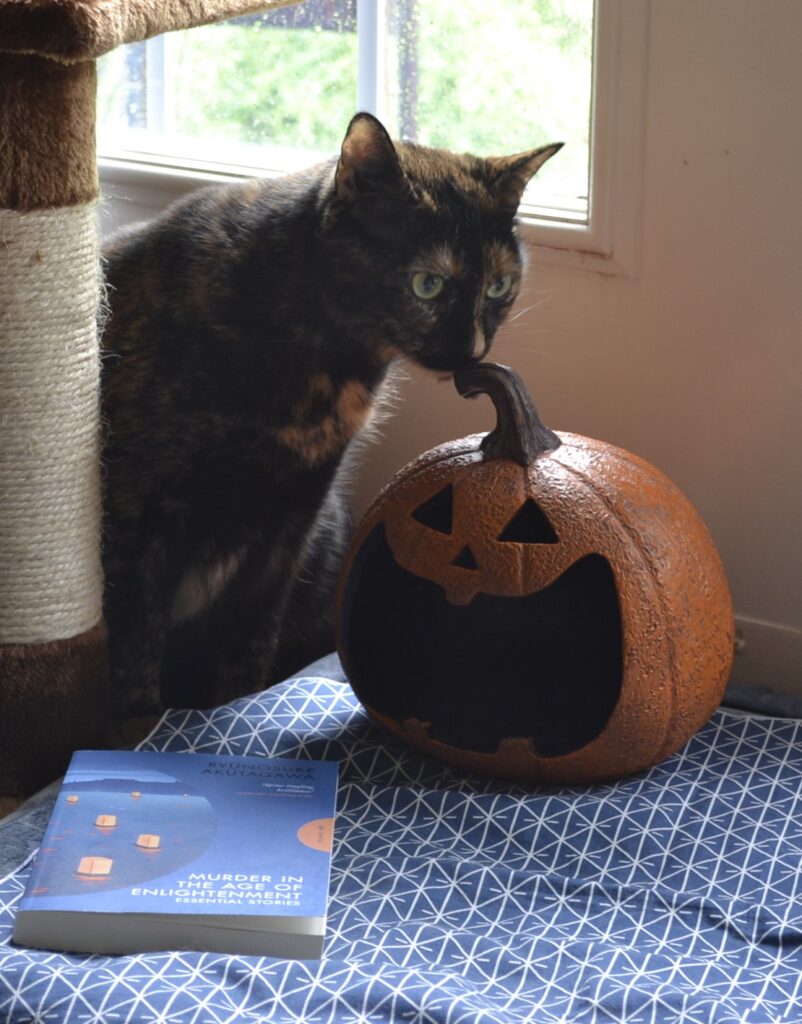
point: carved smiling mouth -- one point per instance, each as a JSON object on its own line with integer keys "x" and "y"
{"x": 560, "y": 688}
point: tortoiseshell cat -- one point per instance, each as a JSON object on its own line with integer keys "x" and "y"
{"x": 251, "y": 329}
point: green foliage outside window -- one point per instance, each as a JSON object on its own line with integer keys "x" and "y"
{"x": 471, "y": 76}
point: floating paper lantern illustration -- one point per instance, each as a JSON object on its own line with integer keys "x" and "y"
{"x": 93, "y": 867}
{"x": 136, "y": 794}
{"x": 148, "y": 842}
{"x": 72, "y": 799}
{"x": 106, "y": 821}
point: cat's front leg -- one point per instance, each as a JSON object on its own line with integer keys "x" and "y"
{"x": 249, "y": 640}
{"x": 246, "y": 657}
{"x": 137, "y": 605}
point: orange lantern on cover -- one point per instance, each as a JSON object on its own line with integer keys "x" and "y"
{"x": 535, "y": 606}
{"x": 95, "y": 866}
{"x": 106, "y": 821}
{"x": 148, "y": 842}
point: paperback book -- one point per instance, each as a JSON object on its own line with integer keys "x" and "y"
{"x": 151, "y": 851}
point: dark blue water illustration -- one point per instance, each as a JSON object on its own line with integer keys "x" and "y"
{"x": 157, "y": 828}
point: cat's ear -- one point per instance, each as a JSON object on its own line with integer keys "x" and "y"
{"x": 513, "y": 173}
{"x": 368, "y": 163}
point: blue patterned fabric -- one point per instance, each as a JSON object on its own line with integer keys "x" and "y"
{"x": 673, "y": 896}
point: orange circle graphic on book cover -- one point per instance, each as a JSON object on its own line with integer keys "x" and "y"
{"x": 317, "y": 834}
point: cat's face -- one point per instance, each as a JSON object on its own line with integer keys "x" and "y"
{"x": 430, "y": 236}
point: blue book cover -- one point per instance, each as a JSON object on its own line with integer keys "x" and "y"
{"x": 164, "y": 850}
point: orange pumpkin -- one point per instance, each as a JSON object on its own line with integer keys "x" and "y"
{"x": 535, "y": 606}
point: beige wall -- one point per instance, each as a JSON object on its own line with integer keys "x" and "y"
{"x": 696, "y": 363}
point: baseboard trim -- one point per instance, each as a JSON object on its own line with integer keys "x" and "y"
{"x": 767, "y": 654}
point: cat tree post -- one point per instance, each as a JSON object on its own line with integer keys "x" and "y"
{"x": 52, "y": 637}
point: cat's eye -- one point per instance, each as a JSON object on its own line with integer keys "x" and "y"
{"x": 427, "y": 286}
{"x": 500, "y": 286}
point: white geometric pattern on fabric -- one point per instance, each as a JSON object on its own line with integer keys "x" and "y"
{"x": 673, "y": 896}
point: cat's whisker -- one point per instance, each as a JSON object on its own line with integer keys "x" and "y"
{"x": 528, "y": 288}
{"x": 528, "y": 309}
{"x": 527, "y": 351}
{"x": 528, "y": 329}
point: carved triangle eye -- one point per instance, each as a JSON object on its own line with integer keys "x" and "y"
{"x": 465, "y": 559}
{"x": 529, "y": 526}
{"x": 436, "y": 513}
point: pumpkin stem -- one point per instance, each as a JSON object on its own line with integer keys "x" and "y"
{"x": 519, "y": 434}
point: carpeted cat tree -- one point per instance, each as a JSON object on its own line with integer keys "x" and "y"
{"x": 52, "y": 637}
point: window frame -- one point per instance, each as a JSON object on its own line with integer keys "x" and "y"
{"x": 606, "y": 242}
{"x": 609, "y": 243}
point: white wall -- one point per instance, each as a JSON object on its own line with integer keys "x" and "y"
{"x": 695, "y": 364}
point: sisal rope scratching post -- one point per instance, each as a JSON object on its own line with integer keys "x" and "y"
{"x": 52, "y": 639}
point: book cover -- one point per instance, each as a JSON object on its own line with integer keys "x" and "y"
{"x": 148, "y": 851}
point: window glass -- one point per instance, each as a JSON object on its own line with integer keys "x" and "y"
{"x": 276, "y": 90}
{"x": 498, "y": 78}
{"x": 272, "y": 90}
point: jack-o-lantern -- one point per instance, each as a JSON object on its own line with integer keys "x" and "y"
{"x": 535, "y": 606}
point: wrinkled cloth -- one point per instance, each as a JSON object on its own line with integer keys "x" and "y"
{"x": 672, "y": 896}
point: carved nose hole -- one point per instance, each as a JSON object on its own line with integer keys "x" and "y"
{"x": 436, "y": 513}
{"x": 465, "y": 559}
{"x": 529, "y": 526}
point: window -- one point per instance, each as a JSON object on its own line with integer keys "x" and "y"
{"x": 269, "y": 92}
